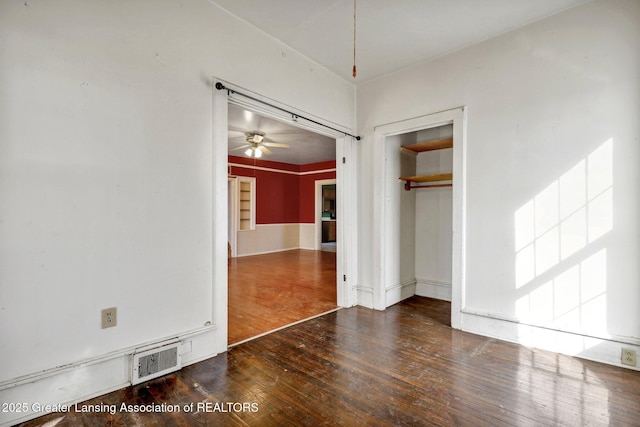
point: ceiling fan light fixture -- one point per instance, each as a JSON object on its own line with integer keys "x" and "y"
{"x": 257, "y": 144}
{"x": 253, "y": 152}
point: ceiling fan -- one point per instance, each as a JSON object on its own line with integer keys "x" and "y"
{"x": 257, "y": 144}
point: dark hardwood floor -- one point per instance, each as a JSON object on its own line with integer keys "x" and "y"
{"x": 403, "y": 366}
{"x": 269, "y": 291}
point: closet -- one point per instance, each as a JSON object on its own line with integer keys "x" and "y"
{"x": 431, "y": 185}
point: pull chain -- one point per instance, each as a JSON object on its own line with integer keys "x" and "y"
{"x": 354, "y": 39}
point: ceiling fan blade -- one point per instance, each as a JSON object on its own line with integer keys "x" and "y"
{"x": 240, "y": 148}
{"x": 264, "y": 149}
{"x": 236, "y": 129}
{"x": 265, "y": 139}
{"x": 276, "y": 144}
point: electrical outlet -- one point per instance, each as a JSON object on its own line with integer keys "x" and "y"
{"x": 629, "y": 357}
{"x": 109, "y": 317}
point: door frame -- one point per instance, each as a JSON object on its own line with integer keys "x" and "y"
{"x": 381, "y": 235}
{"x": 232, "y": 203}
{"x": 346, "y": 259}
{"x": 318, "y": 224}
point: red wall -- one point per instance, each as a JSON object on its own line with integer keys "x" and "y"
{"x": 283, "y": 198}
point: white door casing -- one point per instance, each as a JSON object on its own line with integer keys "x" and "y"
{"x": 381, "y": 236}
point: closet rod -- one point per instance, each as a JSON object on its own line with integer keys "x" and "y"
{"x": 294, "y": 116}
{"x": 408, "y": 186}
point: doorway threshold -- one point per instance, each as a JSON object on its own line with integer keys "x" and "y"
{"x": 282, "y": 327}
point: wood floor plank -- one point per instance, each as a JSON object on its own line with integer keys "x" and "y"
{"x": 269, "y": 291}
{"x": 404, "y": 366}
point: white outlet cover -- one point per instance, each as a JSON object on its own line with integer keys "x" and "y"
{"x": 109, "y": 317}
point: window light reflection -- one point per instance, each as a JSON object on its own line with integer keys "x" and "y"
{"x": 561, "y": 277}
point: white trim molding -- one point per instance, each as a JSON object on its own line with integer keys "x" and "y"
{"x": 573, "y": 344}
{"x": 433, "y": 289}
{"x": 401, "y": 291}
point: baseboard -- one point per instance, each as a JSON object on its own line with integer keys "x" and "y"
{"x": 275, "y": 251}
{"x": 87, "y": 379}
{"x": 586, "y": 347}
{"x": 399, "y": 292}
{"x": 364, "y": 296}
{"x": 433, "y": 289}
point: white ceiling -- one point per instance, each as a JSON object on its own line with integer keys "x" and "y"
{"x": 306, "y": 147}
{"x": 391, "y": 34}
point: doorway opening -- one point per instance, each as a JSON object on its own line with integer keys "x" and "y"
{"x": 326, "y": 215}
{"x": 277, "y": 273}
{"x": 399, "y": 268}
{"x": 346, "y": 270}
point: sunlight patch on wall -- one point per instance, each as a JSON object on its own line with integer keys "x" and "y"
{"x": 571, "y": 212}
{"x": 560, "y": 263}
{"x": 575, "y": 300}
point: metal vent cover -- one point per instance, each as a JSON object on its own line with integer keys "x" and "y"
{"x": 155, "y": 363}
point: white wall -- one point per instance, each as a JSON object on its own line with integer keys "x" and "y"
{"x": 307, "y": 233}
{"x": 542, "y": 102}
{"x": 106, "y": 175}
{"x": 268, "y": 238}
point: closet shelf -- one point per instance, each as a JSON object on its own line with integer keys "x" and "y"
{"x": 438, "y": 144}
{"x": 434, "y": 181}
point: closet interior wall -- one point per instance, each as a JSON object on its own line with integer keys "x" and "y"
{"x": 433, "y": 219}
